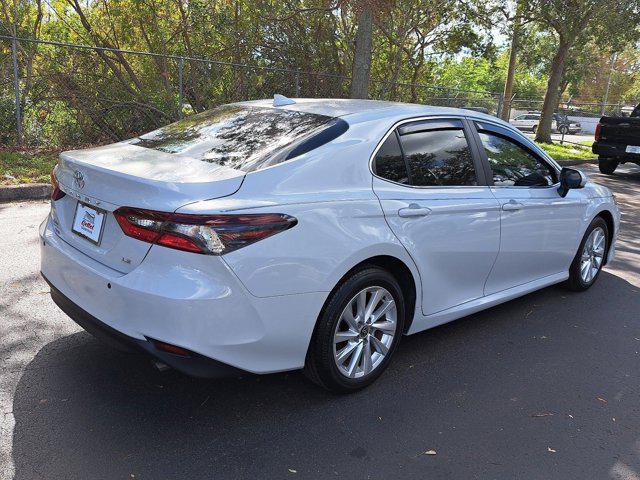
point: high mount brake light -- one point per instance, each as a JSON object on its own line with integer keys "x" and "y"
{"x": 56, "y": 193}
{"x": 206, "y": 234}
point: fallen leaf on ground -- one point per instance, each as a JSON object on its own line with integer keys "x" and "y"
{"x": 602, "y": 399}
{"x": 543, "y": 414}
{"x": 291, "y": 470}
{"x": 549, "y": 449}
{"x": 430, "y": 452}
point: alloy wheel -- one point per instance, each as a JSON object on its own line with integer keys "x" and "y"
{"x": 365, "y": 331}
{"x": 592, "y": 255}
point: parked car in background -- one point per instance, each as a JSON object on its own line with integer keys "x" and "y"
{"x": 560, "y": 123}
{"x": 269, "y": 236}
{"x": 617, "y": 140}
{"x": 566, "y": 126}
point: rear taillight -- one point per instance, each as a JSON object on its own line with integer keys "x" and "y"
{"x": 598, "y": 128}
{"x": 56, "y": 193}
{"x": 206, "y": 234}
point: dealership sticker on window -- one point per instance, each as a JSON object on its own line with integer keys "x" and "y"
{"x": 88, "y": 222}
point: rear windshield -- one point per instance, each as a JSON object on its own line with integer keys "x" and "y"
{"x": 245, "y": 138}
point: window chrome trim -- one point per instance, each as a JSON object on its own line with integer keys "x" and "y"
{"x": 418, "y": 119}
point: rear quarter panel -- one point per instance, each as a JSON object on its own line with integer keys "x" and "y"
{"x": 330, "y": 238}
{"x": 340, "y": 220}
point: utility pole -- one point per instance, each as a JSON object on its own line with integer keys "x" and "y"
{"x": 16, "y": 89}
{"x": 605, "y": 100}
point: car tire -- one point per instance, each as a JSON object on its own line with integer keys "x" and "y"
{"x": 591, "y": 256}
{"x": 564, "y": 129}
{"x": 534, "y": 129}
{"x": 607, "y": 165}
{"x": 329, "y": 361}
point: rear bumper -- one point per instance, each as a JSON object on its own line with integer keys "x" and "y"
{"x": 193, "y": 364}
{"x": 614, "y": 150}
{"x": 192, "y": 301}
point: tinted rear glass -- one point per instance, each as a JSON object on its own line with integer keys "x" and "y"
{"x": 439, "y": 158}
{"x": 244, "y": 138}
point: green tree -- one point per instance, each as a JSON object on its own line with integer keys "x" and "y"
{"x": 575, "y": 22}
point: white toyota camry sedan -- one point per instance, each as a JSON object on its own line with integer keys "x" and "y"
{"x": 266, "y": 236}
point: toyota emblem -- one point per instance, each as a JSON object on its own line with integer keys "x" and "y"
{"x": 78, "y": 179}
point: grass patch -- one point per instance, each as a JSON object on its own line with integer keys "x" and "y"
{"x": 26, "y": 167}
{"x": 567, "y": 151}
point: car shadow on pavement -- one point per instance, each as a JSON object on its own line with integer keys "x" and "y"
{"x": 527, "y": 389}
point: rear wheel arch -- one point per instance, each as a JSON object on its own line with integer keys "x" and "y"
{"x": 400, "y": 271}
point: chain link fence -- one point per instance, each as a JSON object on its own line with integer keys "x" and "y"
{"x": 76, "y": 95}
{"x": 569, "y": 108}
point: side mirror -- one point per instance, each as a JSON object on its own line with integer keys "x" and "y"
{"x": 570, "y": 178}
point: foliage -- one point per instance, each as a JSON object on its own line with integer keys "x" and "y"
{"x": 26, "y": 167}
{"x": 71, "y": 96}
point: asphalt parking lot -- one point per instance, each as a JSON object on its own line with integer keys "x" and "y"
{"x": 542, "y": 387}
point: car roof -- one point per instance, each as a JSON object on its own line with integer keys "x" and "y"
{"x": 363, "y": 110}
{"x": 358, "y": 111}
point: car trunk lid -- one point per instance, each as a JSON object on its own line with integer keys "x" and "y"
{"x": 123, "y": 174}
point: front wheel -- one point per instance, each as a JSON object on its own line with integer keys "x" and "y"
{"x": 564, "y": 129}
{"x": 358, "y": 331}
{"x": 607, "y": 165}
{"x": 534, "y": 129}
{"x": 591, "y": 256}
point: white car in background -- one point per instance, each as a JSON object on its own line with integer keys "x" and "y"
{"x": 312, "y": 233}
{"x": 559, "y": 124}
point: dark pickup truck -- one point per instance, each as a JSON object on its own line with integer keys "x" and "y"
{"x": 617, "y": 141}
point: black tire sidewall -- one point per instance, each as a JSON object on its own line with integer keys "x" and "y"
{"x": 322, "y": 342}
{"x": 607, "y": 165}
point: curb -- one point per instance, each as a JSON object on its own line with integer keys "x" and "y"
{"x": 33, "y": 191}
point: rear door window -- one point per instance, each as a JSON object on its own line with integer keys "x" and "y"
{"x": 439, "y": 155}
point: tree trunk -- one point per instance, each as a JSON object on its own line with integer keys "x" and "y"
{"x": 552, "y": 95}
{"x": 361, "y": 70}
{"x": 511, "y": 71}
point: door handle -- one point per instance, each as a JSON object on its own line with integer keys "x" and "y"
{"x": 414, "y": 210}
{"x": 512, "y": 205}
